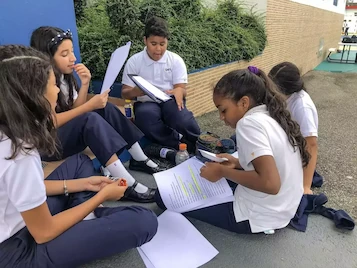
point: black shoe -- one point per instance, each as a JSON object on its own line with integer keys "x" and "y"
{"x": 143, "y": 167}
{"x": 132, "y": 195}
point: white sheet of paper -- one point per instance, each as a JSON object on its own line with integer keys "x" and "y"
{"x": 152, "y": 89}
{"x": 212, "y": 156}
{"x": 182, "y": 188}
{"x": 146, "y": 261}
{"x": 178, "y": 244}
{"x": 115, "y": 64}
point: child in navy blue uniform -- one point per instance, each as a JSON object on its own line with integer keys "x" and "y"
{"x": 268, "y": 175}
{"x": 168, "y": 123}
{"x": 95, "y": 123}
{"x": 303, "y": 110}
{"x": 41, "y": 221}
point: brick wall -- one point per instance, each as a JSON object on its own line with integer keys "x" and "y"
{"x": 294, "y": 34}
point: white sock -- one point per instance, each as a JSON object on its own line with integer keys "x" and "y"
{"x": 117, "y": 169}
{"x": 137, "y": 153}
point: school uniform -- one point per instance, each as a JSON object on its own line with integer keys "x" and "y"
{"x": 304, "y": 112}
{"x": 22, "y": 188}
{"x": 258, "y": 134}
{"x": 105, "y": 131}
{"x": 161, "y": 122}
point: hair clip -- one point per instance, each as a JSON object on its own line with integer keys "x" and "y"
{"x": 253, "y": 69}
{"x": 59, "y": 37}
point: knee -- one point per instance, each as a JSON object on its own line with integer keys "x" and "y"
{"x": 145, "y": 226}
{"x": 92, "y": 116}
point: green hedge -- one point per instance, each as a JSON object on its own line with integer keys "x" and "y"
{"x": 201, "y": 36}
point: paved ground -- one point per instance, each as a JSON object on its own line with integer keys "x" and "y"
{"x": 335, "y": 96}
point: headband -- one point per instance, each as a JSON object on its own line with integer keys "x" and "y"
{"x": 20, "y": 58}
{"x": 59, "y": 37}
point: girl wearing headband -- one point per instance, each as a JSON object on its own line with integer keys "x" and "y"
{"x": 95, "y": 123}
{"x": 41, "y": 221}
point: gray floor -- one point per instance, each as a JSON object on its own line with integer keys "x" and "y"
{"x": 322, "y": 245}
{"x": 335, "y": 96}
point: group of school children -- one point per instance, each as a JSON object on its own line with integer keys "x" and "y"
{"x": 45, "y": 115}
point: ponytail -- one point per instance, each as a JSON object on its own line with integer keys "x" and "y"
{"x": 277, "y": 108}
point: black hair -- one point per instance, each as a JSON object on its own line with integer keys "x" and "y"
{"x": 41, "y": 39}
{"x": 287, "y": 77}
{"x": 25, "y": 113}
{"x": 156, "y": 26}
{"x": 261, "y": 90}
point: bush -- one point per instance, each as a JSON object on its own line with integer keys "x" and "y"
{"x": 201, "y": 36}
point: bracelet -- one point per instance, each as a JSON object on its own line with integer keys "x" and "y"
{"x": 65, "y": 188}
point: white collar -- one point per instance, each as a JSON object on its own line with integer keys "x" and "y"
{"x": 148, "y": 61}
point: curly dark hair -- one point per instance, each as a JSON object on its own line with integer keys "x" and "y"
{"x": 286, "y": 76}
{"x": 156, "y": 26}
{"x": 261, "y": 90}
{"x": 25, "y": 113}
{"x": 40, "y": 40}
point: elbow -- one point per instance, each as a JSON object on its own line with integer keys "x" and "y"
{"x": 43, "y": 236}
{"x": 273, "y": 188}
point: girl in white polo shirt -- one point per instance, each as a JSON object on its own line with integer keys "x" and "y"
{"x": 268, "y": 175}
{"x": 41, "y": 220}
{"x": 303, "y": 110}
{"x": 95, "y": 123}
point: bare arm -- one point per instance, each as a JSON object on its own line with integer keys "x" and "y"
{"x": 310, "y": 168}
{"x": 82, "y": 96}
{"x": 64, "y": 117}
{"x": 130, "y": 93}
{"x": 55, "y": 187}
{"x": 85, "y": 76}
{"x": 265, "y": 178}
{"x": 44, "y": 227}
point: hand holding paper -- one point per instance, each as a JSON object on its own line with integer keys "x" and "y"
{"x": 99, "y": 101}
{"x": 153, "y": 92}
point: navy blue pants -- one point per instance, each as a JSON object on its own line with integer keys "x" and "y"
{"x": 163, "y": 122}
{"x": 115, "y": 229}
{"x": 105, "y": 131}
{"x": 221, "y": 215}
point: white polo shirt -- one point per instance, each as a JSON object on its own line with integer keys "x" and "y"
{"x": 258, "y": 134}
{"x": 304, "y": 112}
{"x": 21, "y": 188}
{"x": 164, "y": 73}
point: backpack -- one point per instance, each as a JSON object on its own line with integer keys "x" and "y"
{"x": 346, "y": 40}
{"x": 213, "y": 143}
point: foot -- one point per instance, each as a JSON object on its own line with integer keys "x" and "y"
{"x": 131, "y": 195}
{"x": 143, "y": 167}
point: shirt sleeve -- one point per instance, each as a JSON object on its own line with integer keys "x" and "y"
{"x": 179, "y": 75}
{"x": 252, "y": 141}
{"x": 305, "y": 117}
{"x": 129, "y": 68}
{"x": 24, "y": 183}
